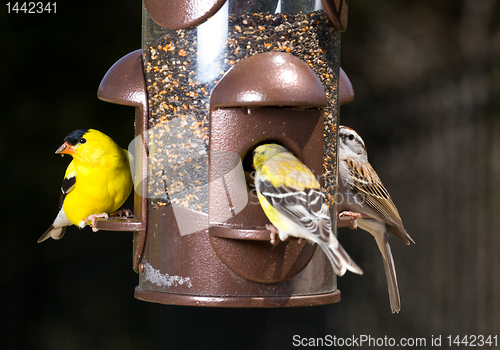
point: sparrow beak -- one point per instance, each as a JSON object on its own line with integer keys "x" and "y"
{"x": 65, "y": 148}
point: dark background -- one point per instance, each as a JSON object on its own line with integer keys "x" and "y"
{"x": 427, "y": 80}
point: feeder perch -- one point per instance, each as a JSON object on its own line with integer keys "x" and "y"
{"x": 213, "y": 80}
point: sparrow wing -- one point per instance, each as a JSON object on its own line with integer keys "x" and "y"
{"x": 366, "y": 183}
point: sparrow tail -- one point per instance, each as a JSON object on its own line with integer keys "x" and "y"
{"x": 390, "y": 274}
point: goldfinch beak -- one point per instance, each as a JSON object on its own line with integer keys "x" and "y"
{"x": 65, "y": 149}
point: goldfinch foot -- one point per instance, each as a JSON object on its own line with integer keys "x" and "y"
{"x": 93, "y": 218}
{"x": 127, "y": 213}
{"x": 274, "y": 233}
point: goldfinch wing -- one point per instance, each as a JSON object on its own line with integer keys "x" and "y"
{"x": 68, "y": 184}
{"x": 306, "y": 208}
{"x": 58, "y": 228}
{"x": 366, "y": 182}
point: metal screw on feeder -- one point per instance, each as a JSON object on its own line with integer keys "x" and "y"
{"x": 213, "y": 81}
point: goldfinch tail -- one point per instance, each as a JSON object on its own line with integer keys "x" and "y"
{"x": 341, "y": 261}
{"x": 54, "y": 232}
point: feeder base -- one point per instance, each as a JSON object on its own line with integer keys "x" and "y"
{"x": 232, "y": 301}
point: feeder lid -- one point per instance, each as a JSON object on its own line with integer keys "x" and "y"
{"x": 181, "y": 14}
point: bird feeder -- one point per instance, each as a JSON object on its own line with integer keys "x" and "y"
{"x": 214, "y": 79}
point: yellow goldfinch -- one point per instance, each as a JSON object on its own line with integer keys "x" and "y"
{"x": 97, "y": 181}
{"x": 291, "y": 198}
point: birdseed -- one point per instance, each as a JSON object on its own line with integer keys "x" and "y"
{"x": 179, "y": 96}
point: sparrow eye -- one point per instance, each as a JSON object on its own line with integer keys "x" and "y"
{"x": 82, "y": 140}
{"x": 351, "y": 137}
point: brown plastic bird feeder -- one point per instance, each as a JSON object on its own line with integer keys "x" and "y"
{"x": 215, "y": 79}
